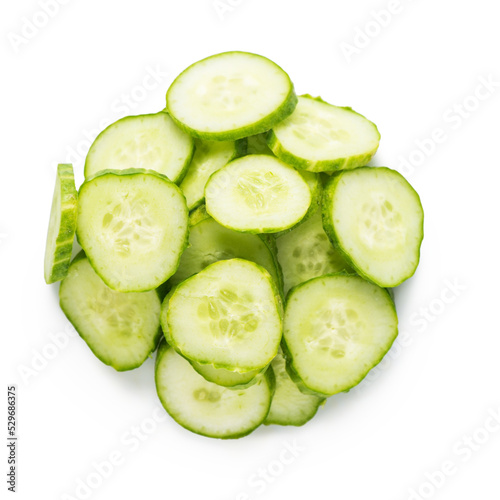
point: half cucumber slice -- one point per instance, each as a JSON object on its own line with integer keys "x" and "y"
{"x": 337, "y": 328}
{"x": 62, "y": 225}
{"x": 321, "y": 137}
{"x": 229, "y": 96}
{"x": 133, "y": 226}
{"x": 151, "y": 142}
{"x": 210, "y": 242}
{"x": 375, "y": 218}
{"x": 306, "y": 252}
{"x": 290, "y": 406}
{"x": 234, "y": 311}
{"x": 257, "y": 194}
{"x": 121, "y": 329}
{"x": 206, "y": 408}
{"x": 209, "y": 157}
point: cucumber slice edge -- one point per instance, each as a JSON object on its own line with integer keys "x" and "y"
{"x": 57, "y": 257}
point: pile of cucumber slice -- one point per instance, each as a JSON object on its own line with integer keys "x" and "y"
{"x": 240, "y": 234}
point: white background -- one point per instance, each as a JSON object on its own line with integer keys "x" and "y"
{"x": 441, "y": 380}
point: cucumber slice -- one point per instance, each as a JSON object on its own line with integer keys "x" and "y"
{"x": 289, "y": 405}
{"x": 234, "y": 312}
{"x": 210, "y": 242}
{"x": 257, "y": 194}
{"x": 337, "y": 328}
{"x": 257, "y": 145}
{"x": 133, "y": 226}
{"x": 219, "y": 376}
{"x": 62, "y": 226}
{"x": 151, "y": 142}
{"x": 321, "y": 137}
{"x": 206, "y": 408}
{"x": 121, "y": 329}
{"x": 227, "y": 378}
{"x": 230, "y": 95}
{"x": 209, "y": 157}
{"x": 306, "y": 252}
{"x": 375, "y": 218}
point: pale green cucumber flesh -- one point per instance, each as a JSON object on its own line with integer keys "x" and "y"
{"x": 257, "y": 193}
{"x": 220, "y": 376}
{"x": 306, "y": 252}
{"x": 321, "y": 137}
{"x": 121, "y": 329}
{"x": 62, "y": 226}
{"x": 229, "y": 96}
{"x": 375, "y": 218}
{"x": 336, "y": 329}
{"x": 289, "y": 405}
{"x": 210, "y": 242}
{"x": 150, "y": 142}
{"x": 133, "y": 227}
{"x": 257, "y": 144}
{"x": 234, "y": 311}
{"x": 209, "y": 157}
{"x": 206, "y": 408}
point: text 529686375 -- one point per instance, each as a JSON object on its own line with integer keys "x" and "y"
{"x": 11, "y": 438}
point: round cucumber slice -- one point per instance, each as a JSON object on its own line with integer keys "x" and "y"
{"x": 220, "y": 376}
{"x": 62, "y": 225}
{"x": 375, "y": 218}
{"x": 230, "y": 95}
{"x": 336, "y": 329}
{"x": 121, "y": 329}
{"x": 227, "y": 378}
{"x": 206, "y": 408}
{"x": 133, "y": 226}
{"x": 209, "y": 157}
{"x": 306, "y": 252}
{"x": 257, "y": 194}
{"x": 257, "y": 145}
{"x": 151, "y": 142}
{"x": 234, "y": 311}
{"x": 289, "y": 405}
{"x": 321, "y": 137}
{"x": 210, "y": 242}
